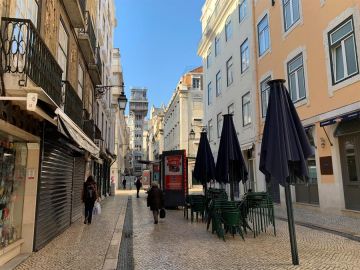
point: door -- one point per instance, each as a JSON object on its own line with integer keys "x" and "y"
{"x": 350, "y": 164}
{"x": 53, "y": 210}
{"x": 78, "y": 183}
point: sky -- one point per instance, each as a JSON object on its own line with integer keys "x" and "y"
{"x": 158, "y": 42}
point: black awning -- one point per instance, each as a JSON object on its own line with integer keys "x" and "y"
{"x": 344, "y": 117}
{"x": 347, "y": 127}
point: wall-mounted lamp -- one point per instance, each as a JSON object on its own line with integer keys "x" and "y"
{"x": 322, "y": 142}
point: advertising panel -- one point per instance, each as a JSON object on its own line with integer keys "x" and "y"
{"x": 173, "y": 172}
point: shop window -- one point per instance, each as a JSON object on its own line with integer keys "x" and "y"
{"x": 13, "y": 157}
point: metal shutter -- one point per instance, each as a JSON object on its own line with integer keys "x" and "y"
{"x": 78, "y": 183}
{"x": 54, "y": 193}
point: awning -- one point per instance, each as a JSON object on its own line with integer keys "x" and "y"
{"x": 347, "y": 128}
{"x": 69, "y": 128}
{"x": 344, "y": 117}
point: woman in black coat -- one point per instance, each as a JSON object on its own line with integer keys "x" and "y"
{"x": 155, "y": 201}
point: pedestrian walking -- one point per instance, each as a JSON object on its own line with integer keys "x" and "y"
{"x": 124, "y": 183}
{"x": 89, "y": 196}
{"x": 138, "y": 185}
{"x": 155, "y": 201}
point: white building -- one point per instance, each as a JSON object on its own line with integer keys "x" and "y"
{"x": 183, "y": 114}
{"x": 156, "y": 132}
{"x": 229, "y": 64}
{"x": 120, "y": 128}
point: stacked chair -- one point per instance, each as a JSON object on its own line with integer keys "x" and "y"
{"x": 196, "y": 204}
{"x": 258, "y": 207}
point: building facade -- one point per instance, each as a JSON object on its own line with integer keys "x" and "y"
{"x": 138, "y": 109}
{"x": 156, "y": 133}
{"x": 320, "y": 65}
{"x": 227, "y": 49}
{"x": 120, "y": 139}
{"x": 49, "y": 49}
{"x": 183, "y": 114}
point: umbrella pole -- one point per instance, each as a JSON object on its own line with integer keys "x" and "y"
{"x": 289, "y": 208}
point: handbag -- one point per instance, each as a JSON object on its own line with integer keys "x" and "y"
{"x": 162, "y": 213}
{"x": 97, "y": 209}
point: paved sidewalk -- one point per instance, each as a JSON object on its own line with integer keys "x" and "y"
{"x": 176, "y": 243}
{"x": 84, "y": 246}
{"x": 344, "y": 222}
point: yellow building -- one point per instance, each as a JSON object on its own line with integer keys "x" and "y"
{"x": 314, "y": 45}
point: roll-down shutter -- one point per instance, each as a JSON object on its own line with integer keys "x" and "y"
{"x": 78, "y": 182}
{"x": 53, "y": 213}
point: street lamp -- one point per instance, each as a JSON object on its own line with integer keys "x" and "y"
{"x": 122, "y": 100}
{"x": 191, "y": 138}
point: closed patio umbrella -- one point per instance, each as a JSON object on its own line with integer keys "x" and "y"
{"x": 284, "y": 149}
{"x": 204, "y": 164}
{"x": 230, "y": 165}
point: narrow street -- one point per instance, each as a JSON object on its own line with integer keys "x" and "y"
{"x": 176, "y": 243}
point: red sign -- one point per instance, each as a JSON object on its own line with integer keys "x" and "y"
{"x": 173, "y": 172}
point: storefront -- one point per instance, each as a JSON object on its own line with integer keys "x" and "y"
{"x": 19, "y": 160}
{"x": 348, "y": 133}
{"x": 307, "y": 191}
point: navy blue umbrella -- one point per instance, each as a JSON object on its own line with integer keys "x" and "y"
{"x": 285, "y": 148}
{"x": 230, "y": 165}
{"x": 204, "y": 164}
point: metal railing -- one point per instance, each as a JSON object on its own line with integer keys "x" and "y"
{"x": 2, "y": 67}
{"x": 26, "y": 53}
{"x": 89, "y": 30}
{"x": 97, "y": 133}
{"x": 82, "y": 6}
{"x": 73, "y": 105}
{"x": 98, "y": 61}
{"x": 89, "y": 128}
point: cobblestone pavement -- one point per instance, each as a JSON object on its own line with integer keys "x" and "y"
{"x": 346, "y": 222}
{"x": 81, "y": 246}
{"x": 176, "y": 243}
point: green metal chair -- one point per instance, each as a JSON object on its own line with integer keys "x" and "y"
{"x": 232, "y": 222}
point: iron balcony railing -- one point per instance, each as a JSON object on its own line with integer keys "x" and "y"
{"x": 97, "y": 133}
{"x": 2, "y": 67}
{"x": 89, "y": 30}
{"x": 89, "y": 128}
{"x": 82, "y": 6}
{"x": 26, "y": 53}
{"x": 98, "y": 61}
{"x": 73, "y": 105}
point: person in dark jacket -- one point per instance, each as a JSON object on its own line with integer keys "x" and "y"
{"x": 155, "y": 201}
{"x": 89, "y": 196}
{"x": 138, "y": 185}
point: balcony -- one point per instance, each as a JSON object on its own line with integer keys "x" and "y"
{"x": 73, "y": 105}
{"x": 76, "y": 11}
{"x": 25, "y": 53}
{"x": 89, "y": 128}
{"x": 97, "y": 133}
{"x": 95, "y": 68}
{"x": 87, "y": 39}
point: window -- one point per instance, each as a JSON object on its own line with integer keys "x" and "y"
{"x": 80, "y": 81}
{"x": 228, "y": 30}
{"x": 209, "y": 94}
{"x": 296, "y": 78}
{"x": 217, "y": 46}
{"x": 219, "y": 124}
{"x": 245, "y": 56}
{"x": 263, "y": 35}
{"x": 208, "y": 59}
{"x": 27, "y": 9}
{"x": 231, "y": 109}
{"x": 291, "y": 11}
{"x": 265, "y": 91}
{"x": 229, "y": 72}
{"x": 63, "y": 50}
{"x": 196, "y": 83}
{"x": 246, "y": 109}
{"x": 343, "y": 52}
{"x": 218, "y": 83}
{"x": 242, "y": 10}
{"x": 210, "y": 129}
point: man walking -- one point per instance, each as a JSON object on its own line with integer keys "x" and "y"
{"x": 155, "y": 201}
{"x": 138, "y": 185}
{"x": 124, "y": 183}
{"x": 89, "y": 196}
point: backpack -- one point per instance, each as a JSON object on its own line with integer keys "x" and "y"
{"x": 90, "y": 193}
